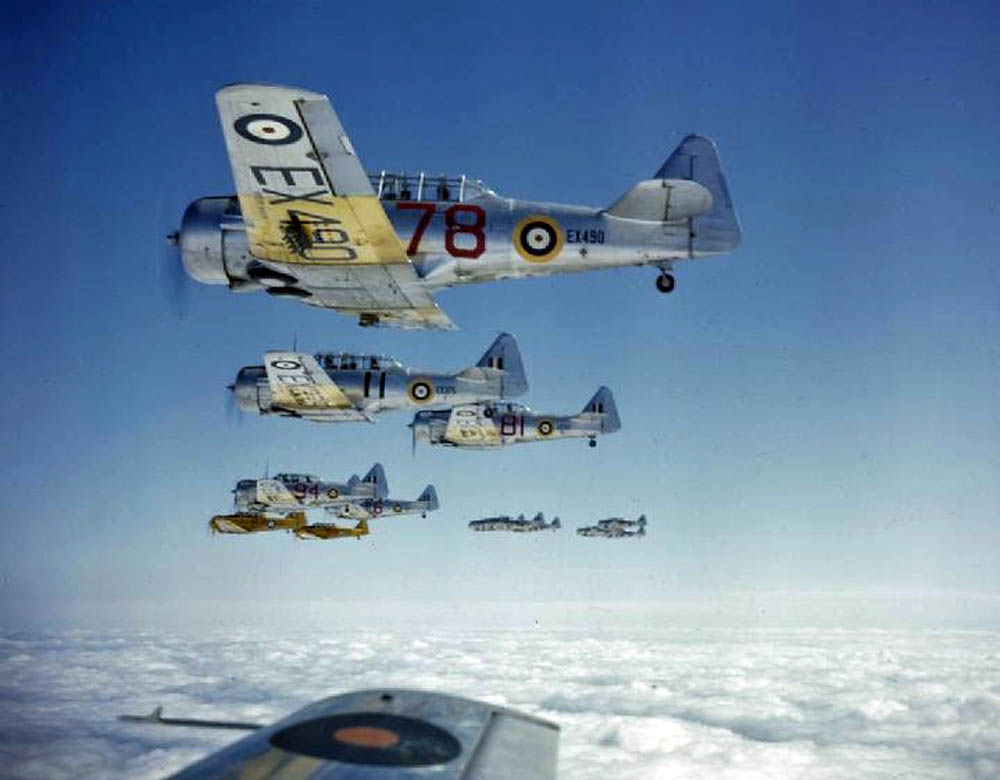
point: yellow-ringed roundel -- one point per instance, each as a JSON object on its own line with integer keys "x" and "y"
{"x": 545, "y": 427}
{"x": 286, "y": 365}
{"x": 333, "y": 493}
{"x": 420, "y": 391}
{"x": 538, "y": 239}
{"x": 397, "y": 508}
{"x": 269, "y": 129}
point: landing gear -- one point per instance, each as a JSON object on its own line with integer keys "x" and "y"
{"x": 665, "y": 282}
{"x": 592, "y": 443}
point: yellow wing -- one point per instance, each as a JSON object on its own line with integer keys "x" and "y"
{"x": 311, "y": 210}
{"x": 298, "y": 383}
{"x": 468, "y": 425}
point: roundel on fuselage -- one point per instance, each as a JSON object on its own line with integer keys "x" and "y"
{"x": 545, "y": 427}
{"x": 538, "y": 238}
{"x": 420, "y": 391}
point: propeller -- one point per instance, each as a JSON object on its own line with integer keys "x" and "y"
{"x": 173, "y": 279}
{"x": 232, "y": 411}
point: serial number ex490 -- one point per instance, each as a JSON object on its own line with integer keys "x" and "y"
{"x": 309, "y": 223}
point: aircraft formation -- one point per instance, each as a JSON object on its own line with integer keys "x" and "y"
{"x": 611, "y": 528}
{"x": 308, "y": 223}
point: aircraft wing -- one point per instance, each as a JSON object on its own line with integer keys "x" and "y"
{"x": 311, "y": 210}
{"x": 298, "y": 384}
{"x": 389, "y": 733}
{"x": 468, "y": 425}
{"x": 274, "y": 492}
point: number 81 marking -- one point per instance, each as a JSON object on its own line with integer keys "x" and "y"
{"x": 452, "y": 227}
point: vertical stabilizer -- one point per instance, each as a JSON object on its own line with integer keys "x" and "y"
{"x": 603, "y": 405}
{"x": 429, "y": 497}
{"x": 505, "y": 356}
{"x": 376, "y": 477}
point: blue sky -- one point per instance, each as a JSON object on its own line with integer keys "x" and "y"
{"x": 816, "y": 412}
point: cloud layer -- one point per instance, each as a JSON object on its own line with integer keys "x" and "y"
{"x": 674, "y": 704}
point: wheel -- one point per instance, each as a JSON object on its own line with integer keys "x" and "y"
{"x": 665, "y": 282}
{"x": 593, "y": 443}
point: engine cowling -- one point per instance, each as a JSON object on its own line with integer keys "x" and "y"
{"x": 212, "y": 240}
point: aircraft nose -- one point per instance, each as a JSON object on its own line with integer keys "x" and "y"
{"x": 244, "y": 389}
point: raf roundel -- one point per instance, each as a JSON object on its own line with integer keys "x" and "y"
{"x": 545, "y": 427}
{"x": 286, "y": 365}
{"x": 420, "y": 391}
{"x": 269, "y": 129}
{"x": 538, "y": 239}
{"x": 333, "y": 493}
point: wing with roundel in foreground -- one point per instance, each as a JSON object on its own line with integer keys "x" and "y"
{"x": 312, "y": 217}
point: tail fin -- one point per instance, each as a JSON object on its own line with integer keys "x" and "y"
{"x": 697, "y": 160}
{"x": 376, "y": 477}
{"x": 504, "y": 355}
{"x": 555, "y": 523}
{"x": 539, "y": 518}
{"x": 603, "y": 403}
{"x": 642, "y": 520}
{"x": 430, "y": 497}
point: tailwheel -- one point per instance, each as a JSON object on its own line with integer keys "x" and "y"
{"x": 665, "y": 282}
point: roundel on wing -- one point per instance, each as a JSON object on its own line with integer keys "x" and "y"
{"x": 420, "y": 391}
{"x": 545, "y": 427}
{"x": 286, "y": 365}
{"x": 538, "y": 239}
{"x": 333, "y": 493}
{"x": 269, "y": 129}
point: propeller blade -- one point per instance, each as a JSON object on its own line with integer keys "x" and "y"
{"x": 173, "y": 279}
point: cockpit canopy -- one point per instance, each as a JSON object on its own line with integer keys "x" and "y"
{"x": 344, "y": 361}
{"x": 389, "y": 185}
{"x": 296, "y": 478}
{"x": 505, "y": 408}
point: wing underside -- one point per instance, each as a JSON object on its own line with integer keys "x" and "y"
{"x": 467, "y": 425}
{"x": 311, "y": 212}
{"x": 298, "y": 384}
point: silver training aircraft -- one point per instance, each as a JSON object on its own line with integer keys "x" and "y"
{"x": 516, "y": 524}
{"x": 309, "y": 223}
{"x": 369, "y": 508}
{"x": 615, "y": 528}
{"x": 489, "y": 425}
{"x": 337, "y": 387}
{"x": 294, "y": 492}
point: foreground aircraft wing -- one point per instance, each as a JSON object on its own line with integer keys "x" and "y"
{"x": 311, "y": 210}
{"x": 298, "y": 384}
{"x": 381, "y": 734}
{"x": 468, "y": 425}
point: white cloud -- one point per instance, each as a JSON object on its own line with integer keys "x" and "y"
{"x": 668, "y": 704}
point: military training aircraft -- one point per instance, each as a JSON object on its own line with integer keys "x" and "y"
{"x": 381, "y": 734}
{"x": 516, "y": 524}
{"x": 253, "y": 523}
{"x": 489, "y": 425}
{"x": 309, "y": 223}
{"x": 366, "y": 509}
{"x": 331, "y": 531}
{"x": 336, "y": 387}
{"x": 293, "y": 492}
{"x": 615, "y": 528}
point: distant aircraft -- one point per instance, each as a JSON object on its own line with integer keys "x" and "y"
{"x": 309, "y": 223}
{"x": 615, "y": 528}
{"x": 517, "y": 524}
{"x": 337, "y": 387}
{"x": 369, "y": 508}
{"x": 491, "y": 425}
{"x": 381, "y": 734}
